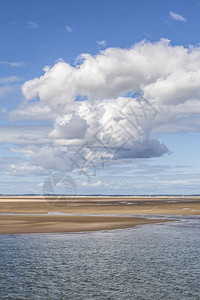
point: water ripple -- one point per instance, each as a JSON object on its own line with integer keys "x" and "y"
{"x": 159, "y": 261}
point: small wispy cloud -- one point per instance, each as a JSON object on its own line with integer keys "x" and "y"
{"x": 9, "y": 79}
{"x": 68, "y": 28}
{"x": 32, "y": 25}
{"x": 13, "y": 63}
{"x": 102, "y": 43}
{"x": 6, "y": 90}
{"x": 177, "y": 17}
{"x": 3, "y": 110}
{"x": 98, "y": 183}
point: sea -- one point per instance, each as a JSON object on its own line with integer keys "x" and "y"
{"x": 159, "y": 261}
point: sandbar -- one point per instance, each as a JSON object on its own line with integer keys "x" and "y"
{"x": 46, "y": 220}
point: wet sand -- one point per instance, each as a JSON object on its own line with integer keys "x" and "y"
{"x": 56, "y": 224}
{"x": 87, "y": 205}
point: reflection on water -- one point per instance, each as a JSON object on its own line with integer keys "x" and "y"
{"x": 160, "y": 261}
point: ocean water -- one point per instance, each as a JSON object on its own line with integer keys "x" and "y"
{"x": 160, "y": 261}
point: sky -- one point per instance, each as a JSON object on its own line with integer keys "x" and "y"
{"x": 99, "y": 97}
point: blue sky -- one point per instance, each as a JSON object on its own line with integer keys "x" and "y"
{"x": 35, "y": 34}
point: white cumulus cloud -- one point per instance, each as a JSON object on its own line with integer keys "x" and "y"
{"x": 93, "y": 111}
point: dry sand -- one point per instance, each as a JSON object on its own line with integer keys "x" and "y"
{"x": 88, "y": 205}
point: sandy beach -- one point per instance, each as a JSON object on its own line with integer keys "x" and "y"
{"x": 52, "y": 222}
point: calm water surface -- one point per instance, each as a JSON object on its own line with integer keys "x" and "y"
{"x": 159, "y": 261}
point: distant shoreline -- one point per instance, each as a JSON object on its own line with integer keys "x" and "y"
{"x": 99, "y": 195}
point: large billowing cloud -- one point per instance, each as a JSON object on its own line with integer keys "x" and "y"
{"x": 165, "y": 73}
{"x": 94, "y": 103}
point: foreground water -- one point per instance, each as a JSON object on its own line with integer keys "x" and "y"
{"x": 159, "y": 261}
